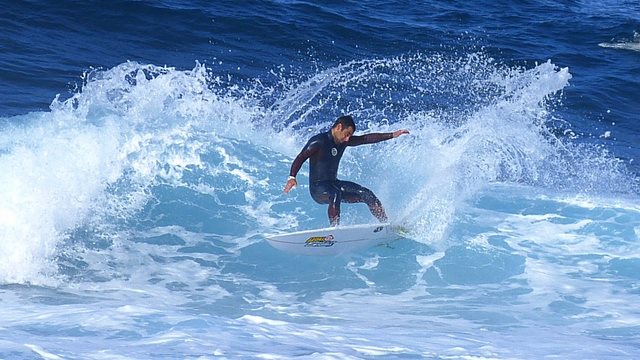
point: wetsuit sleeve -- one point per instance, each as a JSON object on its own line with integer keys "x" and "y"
{"x": 369, "y": 138}
{"x": 308, "y": 151}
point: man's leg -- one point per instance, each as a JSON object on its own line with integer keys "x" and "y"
{"x": 328, "y": 193}
{"x": 354, "y": 193}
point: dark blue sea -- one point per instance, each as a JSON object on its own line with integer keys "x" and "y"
{"x": 144, "y": 147}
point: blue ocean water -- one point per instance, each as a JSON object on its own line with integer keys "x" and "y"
{"x": 144, "y": 146}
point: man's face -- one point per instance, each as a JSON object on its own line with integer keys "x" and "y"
{"x": 342, "y": 135}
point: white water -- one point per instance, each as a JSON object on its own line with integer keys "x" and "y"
{"x": 131, "y": 214}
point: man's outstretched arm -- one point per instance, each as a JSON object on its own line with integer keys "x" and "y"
{"x": 375, "y": 137}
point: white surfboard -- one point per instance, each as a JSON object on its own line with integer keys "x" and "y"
{"x": 334, "y": 240}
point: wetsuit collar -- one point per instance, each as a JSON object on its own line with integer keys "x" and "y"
{"x": 333, "y": 140}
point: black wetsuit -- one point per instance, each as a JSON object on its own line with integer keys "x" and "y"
{"x": 324, "y": 158}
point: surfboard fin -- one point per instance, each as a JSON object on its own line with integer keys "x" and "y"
{"x": 401, "y": 230}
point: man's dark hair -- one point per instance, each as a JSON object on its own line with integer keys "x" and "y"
{"x": 346, "y": 121}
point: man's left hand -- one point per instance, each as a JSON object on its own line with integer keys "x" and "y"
{"x": 400, "y": 132}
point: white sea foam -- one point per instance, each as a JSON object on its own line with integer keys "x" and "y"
{"x": 144, "y": 199}
{"x": 626, "y": 44}
{"x": 43, "y": 353}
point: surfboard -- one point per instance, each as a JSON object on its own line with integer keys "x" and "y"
{"x": 335, "y": 240}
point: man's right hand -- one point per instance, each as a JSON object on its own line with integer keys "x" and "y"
{"x": 291, "y": 183}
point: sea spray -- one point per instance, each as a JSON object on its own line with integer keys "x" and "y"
{"x": 97, "y": 159}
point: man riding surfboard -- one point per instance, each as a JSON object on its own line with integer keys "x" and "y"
{"x": 324, "y": 152}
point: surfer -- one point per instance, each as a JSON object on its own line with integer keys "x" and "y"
{"x": 325, "y": 151}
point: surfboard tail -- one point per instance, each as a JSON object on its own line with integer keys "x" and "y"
{"x": 401, "y": 230}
